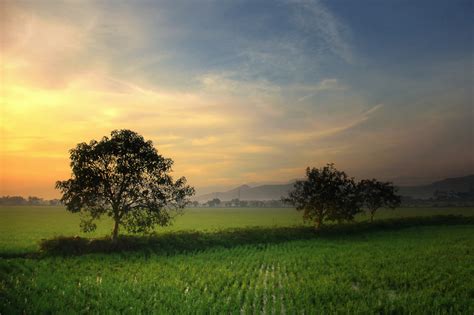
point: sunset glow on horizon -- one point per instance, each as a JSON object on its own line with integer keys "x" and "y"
{"x": 239, "y": 92}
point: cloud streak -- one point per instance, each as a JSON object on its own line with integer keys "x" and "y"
{"x": 254, "y": 98}
{"x": 325, "y": 85}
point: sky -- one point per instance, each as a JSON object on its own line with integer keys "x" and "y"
{"x": 239, "y": 92}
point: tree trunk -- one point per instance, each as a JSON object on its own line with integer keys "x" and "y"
{"x": 372, "y": 213}
{"x": 115, "y": 231}
{"x": 317, "y": 225}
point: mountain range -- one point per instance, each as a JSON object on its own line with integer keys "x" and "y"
{"x": 276, "y": 191}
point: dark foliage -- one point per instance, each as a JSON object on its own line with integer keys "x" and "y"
{"x": 13, "y": 201}
{"x": 376, "y": 194}
{"x": 192, "y": 241}
{"x": 237, "y": 203}
{"x": 326, "y": 194}
{"x": 125, "y": 178}
{"x": 214, "y": 202}
{"x": 30, "y": 201}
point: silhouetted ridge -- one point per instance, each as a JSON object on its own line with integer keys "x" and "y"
{"x": 276, "y": 191}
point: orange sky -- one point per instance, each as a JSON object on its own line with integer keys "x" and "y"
{"x": 236, "y": 110}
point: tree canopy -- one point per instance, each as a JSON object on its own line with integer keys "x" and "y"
{"x": 377, "y": 194}
{"x": 126, "y": 179}
{"x": 329, "y": 194}
{"x": 326, "y": 194}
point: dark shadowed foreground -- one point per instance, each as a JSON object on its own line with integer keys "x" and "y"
{"x": 190, "y": 241}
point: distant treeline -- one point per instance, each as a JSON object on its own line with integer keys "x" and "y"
{"x": 30, "y": 201}
{"x": 236, "y": 203}
{"x": 442, "y": 199}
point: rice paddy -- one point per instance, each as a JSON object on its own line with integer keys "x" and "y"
{"x": 217, "y": 268}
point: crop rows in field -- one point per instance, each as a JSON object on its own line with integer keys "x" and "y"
{"x": 411, "y": 270}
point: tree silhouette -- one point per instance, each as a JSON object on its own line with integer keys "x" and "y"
{"x": 126, "y": 179}
{"x": 214, "y": 202}
{"x": 376, "y": 194}
{"x": 326, "y": 194}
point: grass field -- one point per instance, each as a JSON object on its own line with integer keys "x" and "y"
{"x": 287, "y": 269}
{"x": 22, "y": 227}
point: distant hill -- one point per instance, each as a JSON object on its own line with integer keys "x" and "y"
{"x": 276, "y": 191}
{"x": 245, "y": 192}
{"x": 457, "y": 184}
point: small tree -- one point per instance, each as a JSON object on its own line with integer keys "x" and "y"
{"x": 214, "y": 202}
{"x": 235, "y": 202}
{"x": 376, "y": 194}
{"x": 126, "y": 179}
{"x": 326, "y": 194}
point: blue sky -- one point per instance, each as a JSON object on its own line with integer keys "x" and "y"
{"x": 244, "y": 91}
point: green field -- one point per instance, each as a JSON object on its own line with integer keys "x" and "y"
{"x": 264, "y": 261}
{"x": 22, "y": 227}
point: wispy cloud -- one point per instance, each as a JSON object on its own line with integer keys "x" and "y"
{"x": 318, "y": 130}
{"x": 254, "y": 98}
{"x": 325, "y": 85}
{"x": 315, "y": 19}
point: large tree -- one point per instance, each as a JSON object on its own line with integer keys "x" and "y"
{"x": 377, "y": 194}
{"x": 126, "y": 179}
{"x": 326, "y": 194}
